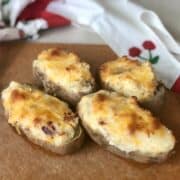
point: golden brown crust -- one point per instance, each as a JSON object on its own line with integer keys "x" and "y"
{"x": 57, "y": 90}
{"x": 121, "y": 126}
{"x": 17, "y": 96}
{"x": 121, "y": 76}
{"x": 54, "y": 54}
{"x": 129, "y": 77}
{"x": 137, "y": 125}
{"x": 135, "y": 116}
{"x": 70, "y": 81}
{"x": 43, "y": 119}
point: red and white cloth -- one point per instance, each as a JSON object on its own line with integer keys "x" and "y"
{"x": 24, "y": 18}
{"x": 127, "y": 28}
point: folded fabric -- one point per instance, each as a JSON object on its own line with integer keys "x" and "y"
{"x": 24, "y": 18}
{"x": 129, "y": 30}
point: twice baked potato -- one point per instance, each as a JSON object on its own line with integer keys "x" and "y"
{"x": 133, "y": 78}
{"x": 122, "y": 127}
{"x": 63, "y": 74}
{"x": 43, "y": 119}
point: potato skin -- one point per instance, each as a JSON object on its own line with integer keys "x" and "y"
{"x": 103, "y": 141}
{"x": 137, "y": 156}
{"x": 155, "y": 103}
{"x": 69, "y": 148}
{"x": 58, "y": 91}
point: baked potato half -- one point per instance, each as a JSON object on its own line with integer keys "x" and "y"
{"x": 133, "y": 78}
{"x": 43, "y": 119}
{"x": 122, "y": 127}
{"x": 63, "y": 74}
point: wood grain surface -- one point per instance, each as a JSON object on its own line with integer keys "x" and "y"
{"x": 21, "y": 160}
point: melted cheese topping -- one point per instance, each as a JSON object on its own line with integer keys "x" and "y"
{"x": 45, "y": 117}
{"x": 65, "y": 69}
{"x": 129, "y": 77}
{"x": 124, "y": 124}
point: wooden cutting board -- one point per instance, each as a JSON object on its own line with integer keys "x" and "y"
{"x": 19, "y": 159}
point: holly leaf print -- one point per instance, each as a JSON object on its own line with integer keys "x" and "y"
{"x": 154, "y": 60}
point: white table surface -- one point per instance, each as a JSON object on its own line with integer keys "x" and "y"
{"x": 168, "y": 10}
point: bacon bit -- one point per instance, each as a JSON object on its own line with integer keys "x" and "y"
{"x": 102, "y": 122}
{"x": 37, "y": 120}
{"x": 17, "y": 95}
{"x": 47, "y": 131}
{"x": 53, "y": 127}
{"x": 50, "y": 124}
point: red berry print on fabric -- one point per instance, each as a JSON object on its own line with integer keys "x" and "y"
{"x": 134, "y": 52}
{"x": 148, "y": 46}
